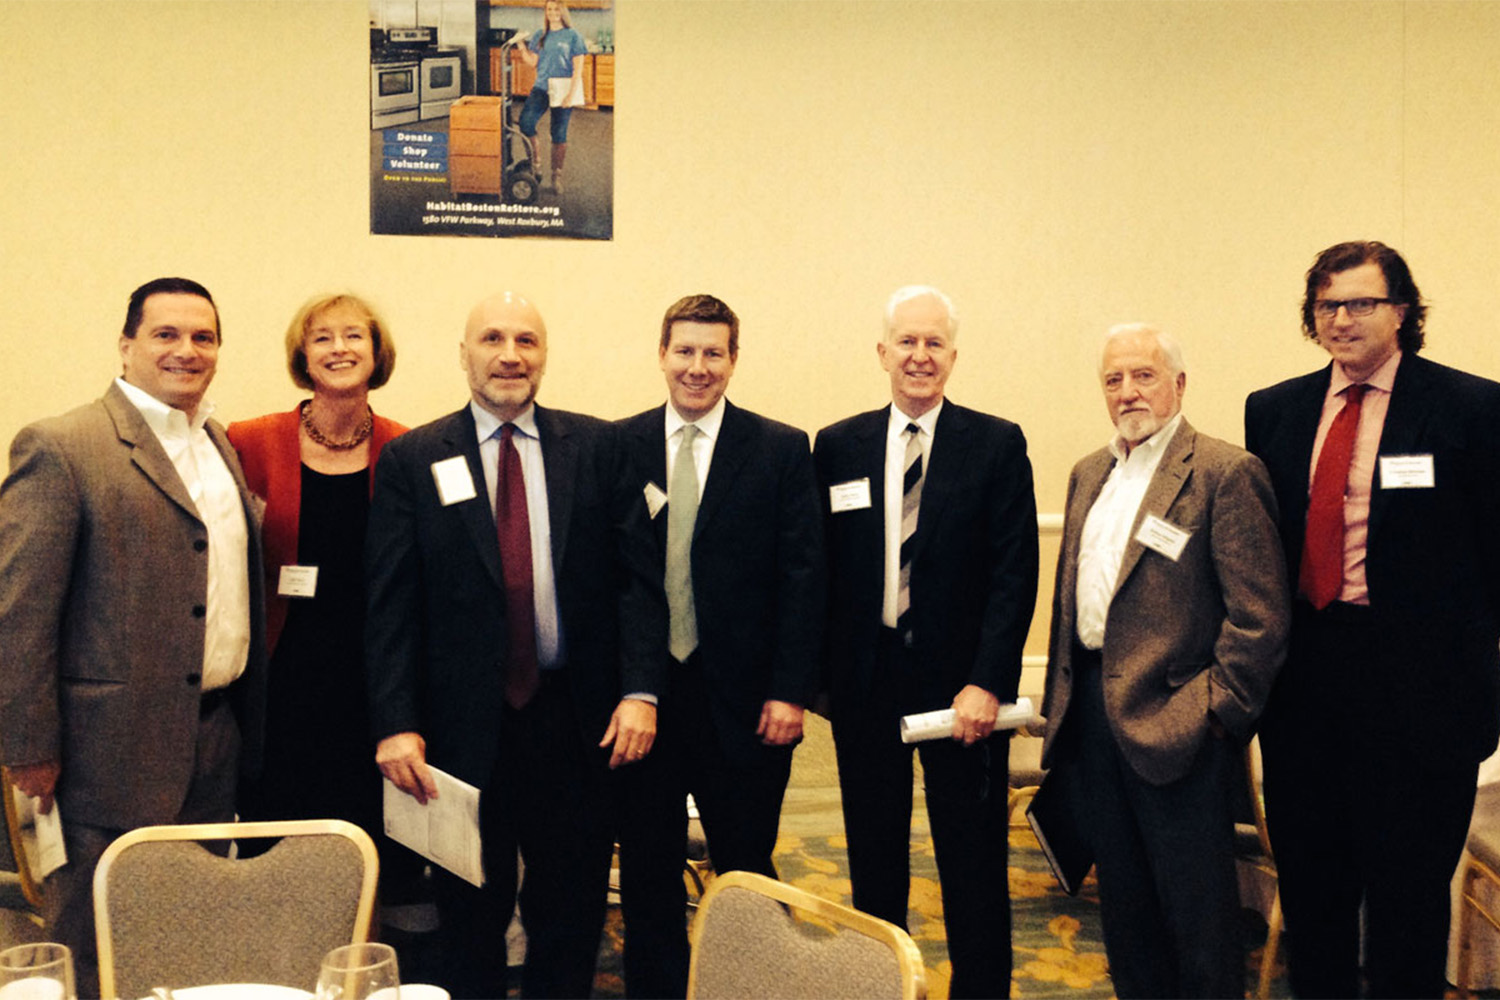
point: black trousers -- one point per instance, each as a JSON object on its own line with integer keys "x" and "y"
{"x": 966, "y": 790}
{"x": 549, "y": 797}
{"x": 739, "y": 804}
{"x": 1356, "y": 820}
{"x": 1163, "y": 855}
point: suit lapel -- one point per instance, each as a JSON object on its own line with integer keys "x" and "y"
{"x": 146, "y": 450}
{"x": 1171, "y": 475}
{"x": 730, "y": 452}
{"x": 648, "y": 434}
{"x": 949, "y": 456}
{"x": 1404, "y": 431}
{"x": 560, "y": 459}
{"x": 462, "y": 439}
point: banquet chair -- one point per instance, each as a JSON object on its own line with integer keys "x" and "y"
{"x": 170, "y": 912}
{"x": 1479, "y": 881}
{"x": 747, "y": 942}
{"x": 1253, "y": 851}
{"x": 20, "y": 890}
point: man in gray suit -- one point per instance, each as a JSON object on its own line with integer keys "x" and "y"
{"x": 1169, "y": 621}
{"x": 131, "y": 656}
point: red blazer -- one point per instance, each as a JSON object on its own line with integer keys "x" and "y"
{"x": 271, "y": 454}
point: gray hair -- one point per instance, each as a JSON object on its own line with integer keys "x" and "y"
{"x": 908, "y": 292}
{"x": 1170, "y": 349}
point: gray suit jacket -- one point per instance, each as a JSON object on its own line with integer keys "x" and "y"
{"x": 1206, "y": 632}
{"x": 103, "y": 580}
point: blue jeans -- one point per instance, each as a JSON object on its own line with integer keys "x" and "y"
{"x": 536, "y": 105}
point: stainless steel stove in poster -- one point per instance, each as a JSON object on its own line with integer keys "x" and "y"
{"x": 492, "y": 119}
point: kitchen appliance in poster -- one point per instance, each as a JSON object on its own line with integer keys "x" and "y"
{"x": 492, "y": 121}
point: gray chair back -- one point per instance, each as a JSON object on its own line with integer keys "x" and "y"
{"x": 171, "y": 912}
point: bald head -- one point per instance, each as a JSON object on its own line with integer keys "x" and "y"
{"x": 504, "y": 353}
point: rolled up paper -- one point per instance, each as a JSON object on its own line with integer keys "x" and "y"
{"x": 939, "y": 725}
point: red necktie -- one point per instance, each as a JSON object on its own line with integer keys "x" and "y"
{"x": 1322, "y": 573}
{"x": 514, "y": 528}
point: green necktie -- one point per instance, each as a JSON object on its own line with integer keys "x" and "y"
{"x": 682, "y": 513}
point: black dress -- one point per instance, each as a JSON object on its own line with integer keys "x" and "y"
{"x": 320, "y": 760}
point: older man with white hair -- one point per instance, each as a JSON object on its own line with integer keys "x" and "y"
{"x": 932, "y": 549}
{"x": 1169, "y": 622}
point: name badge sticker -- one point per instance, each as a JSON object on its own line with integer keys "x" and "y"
{"x": 454, "y": 484}
{"x": 1406, "y": 472}
{"x": 656, "y": 499}
{"x": 297, "y": 581}
{"x": 1159, "y": 536}
{"x": 853, "y": 495}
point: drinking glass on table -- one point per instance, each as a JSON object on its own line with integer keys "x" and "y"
{"x": 41, "y": 971}
{"x": 359, "y": 972}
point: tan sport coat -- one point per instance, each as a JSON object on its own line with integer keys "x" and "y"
{"x": 103, "y": 582}
{"x": 1203, "y": 633}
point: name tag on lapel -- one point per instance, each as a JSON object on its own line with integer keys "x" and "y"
{"x": 1406, "y": 472}
{"x": 1159, "y": 536}
{"x": 656, "y": 499}
{"x": 297, "y": 581}
{"x": 454, "y": 484}
{"x": 853, "y": 495}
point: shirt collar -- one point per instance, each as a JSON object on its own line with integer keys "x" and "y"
{"x": 927, "y": 421}
{"x": 1383, "y": 378}
{"x": 486, "y": 423}
{"x": 1150, "y": 448}
{"x": 161, "y": 418}
{"x": 707, "y": 425}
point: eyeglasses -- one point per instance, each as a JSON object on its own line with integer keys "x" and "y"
{"x": 1329, "y": 308}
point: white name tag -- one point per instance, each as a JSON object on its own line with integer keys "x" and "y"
{"x": 454, "y": 484}
{"x": 853, "y": 495}
{"x": 298, "y": 581}
{"x": 1159, "y": 536}
{"x": 1406, "y": 472}
{"x": 655, "y": 499}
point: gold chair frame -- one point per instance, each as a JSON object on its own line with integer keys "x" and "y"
{"x": 908, "y": 959}
{"x": 364, "y": 910}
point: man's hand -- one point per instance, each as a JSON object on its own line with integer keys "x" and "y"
{"x": 632, "y": 730}
{"x": 780, "y": 723}
{"x": 974, "y": 713}
{"x": 403, "y": 759}
{"x": 37, "y": 780}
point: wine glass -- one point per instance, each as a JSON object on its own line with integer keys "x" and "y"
{"x": 42, "y": 971}
{"x": 359, "y": 972}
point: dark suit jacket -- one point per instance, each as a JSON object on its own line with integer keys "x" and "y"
{"x": 1432, "y": 554}
{"x": 435, "y": 632}
{"x": 102, "y": 577}
{"x": 1206, "y": 632}
{"x": 270, "y": 449}
{"x": 758, "y": 570}
{"x": 974, "y": 572}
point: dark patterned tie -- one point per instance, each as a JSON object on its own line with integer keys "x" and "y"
{"x": 911, "y": 497}
{"x": 514, "y": 528}
{"x": 1321, "y": 576}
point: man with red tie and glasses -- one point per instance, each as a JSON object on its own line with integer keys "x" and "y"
{"x": 1387, "y": 474}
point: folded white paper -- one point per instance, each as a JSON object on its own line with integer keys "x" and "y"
{"x": 445, "y": 830}
{"x": 939, "y": 725}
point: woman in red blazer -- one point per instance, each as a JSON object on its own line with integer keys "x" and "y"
{"x": 313, "y": 466}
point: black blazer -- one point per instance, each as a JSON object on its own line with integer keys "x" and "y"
{"x": 435, "y": 632}
{"x": 974, "y": 572}
{"x": 757, "y": 563}
{"x": 1433, "y": 555}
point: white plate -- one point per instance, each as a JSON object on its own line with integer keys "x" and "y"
{"x": 241, "y": 991}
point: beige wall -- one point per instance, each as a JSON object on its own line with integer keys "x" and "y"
{"x": 1056, "y": 167}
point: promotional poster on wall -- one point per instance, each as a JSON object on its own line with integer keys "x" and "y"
{"x": 492, "y": 120}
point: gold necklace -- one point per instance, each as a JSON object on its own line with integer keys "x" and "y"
{"x": 361, "y": 433}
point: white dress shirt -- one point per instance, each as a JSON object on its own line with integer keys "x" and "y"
{"x": 703, "y": 445}
{"x": 895, "y": 472}
{"x": 551, "y": 650}
{"x": 1106, "y": 531}
{"x": 216, "y": 497}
